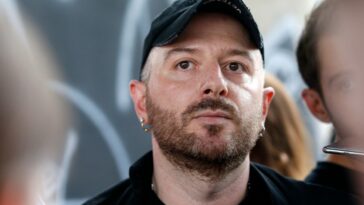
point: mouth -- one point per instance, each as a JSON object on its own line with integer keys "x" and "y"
{"x": 213, "y": 115}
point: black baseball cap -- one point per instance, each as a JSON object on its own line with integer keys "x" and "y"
{"x": 169, "y": 24}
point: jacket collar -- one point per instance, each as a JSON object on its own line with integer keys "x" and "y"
{"x": 141, "y": 178}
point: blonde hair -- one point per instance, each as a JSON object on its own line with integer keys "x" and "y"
{"x": 284, "y": 146}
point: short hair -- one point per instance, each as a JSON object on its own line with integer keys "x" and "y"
{"x": 307, "y": 56}
{"x": 145, "y": 74}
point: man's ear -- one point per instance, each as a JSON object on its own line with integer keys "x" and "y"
{"x": 268, "y": 94}
{"x": 316, "y": 104}
{"x": 138, "y": 94}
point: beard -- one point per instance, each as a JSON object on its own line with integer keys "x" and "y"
{"x": 201, "y": 155}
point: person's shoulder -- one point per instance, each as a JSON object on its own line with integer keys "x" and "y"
{"x": 303, "y": 192}
{"x": 117, "y": 194}
{"x": 325, "y": 174}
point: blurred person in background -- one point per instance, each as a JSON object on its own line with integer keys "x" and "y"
{"x": 284, "y": 146}
{"x": 330, "y": 55}
{"x": 32, "y": 118}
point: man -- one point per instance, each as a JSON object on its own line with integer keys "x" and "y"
{"x": 201, "y": 93}
{"x": 330, "y": 57}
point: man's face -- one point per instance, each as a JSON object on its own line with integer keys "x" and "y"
{"x": 341, "y": 56}
{"x": 204, "y": 98}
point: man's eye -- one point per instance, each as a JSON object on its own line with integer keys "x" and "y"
{"x": 347, "y": 85}
{"x": 236, "y": 67}
{"x": 184, "y": 65}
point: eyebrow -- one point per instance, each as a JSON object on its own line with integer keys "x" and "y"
{"x": 179, "y": 50}
{"x": 339, "y": 76}
{"x": 229, "y": 52}
{"x": 237, "y": 52}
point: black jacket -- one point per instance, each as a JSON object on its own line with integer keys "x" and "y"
{"x": 326, "y": 174}
{"x": 266, "y": 187}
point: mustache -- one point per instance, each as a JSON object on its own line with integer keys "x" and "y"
{"x": 213, "y": 104}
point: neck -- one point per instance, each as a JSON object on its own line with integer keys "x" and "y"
{"x": 175, "y": 186}
{"x": 348, "y": 161}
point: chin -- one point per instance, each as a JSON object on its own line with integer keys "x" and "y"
{"x": 212, "y": 144}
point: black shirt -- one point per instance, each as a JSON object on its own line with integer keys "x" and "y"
{"x": 265, "y": 187}
{"x": 334, "y": 176}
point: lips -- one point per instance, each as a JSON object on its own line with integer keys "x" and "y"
{"x": 213, "y": 114}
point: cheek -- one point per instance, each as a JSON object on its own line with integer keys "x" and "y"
{"x": 250, "y": 91}
{"x": 345, "y": 115}
{"x": 337, "y": 106}
{"x": 247, "y": 98}
{"x": 171, "y": 95}
{"x": 344, "y": 119}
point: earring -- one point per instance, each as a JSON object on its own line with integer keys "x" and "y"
{"x": 145, "y": 128}
{"x": 263, "y": 126}
{"x": 261, "y": 133}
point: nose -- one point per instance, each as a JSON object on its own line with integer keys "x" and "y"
{"x": 215, "y": 84}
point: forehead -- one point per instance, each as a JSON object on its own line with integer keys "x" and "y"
{"x": 340, "y": 46}
{"x": 211, "y": 24}
{"x": 343, "y": 46}
{"x": 341, "y": 56}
